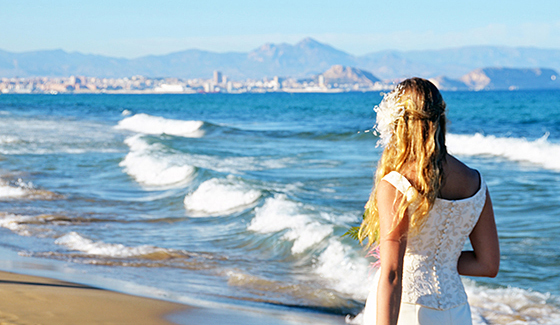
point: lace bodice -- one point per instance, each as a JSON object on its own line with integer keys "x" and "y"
{"x": 430, "y": 276}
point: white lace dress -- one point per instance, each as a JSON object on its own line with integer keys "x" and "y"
{"x": 432, "y": 291}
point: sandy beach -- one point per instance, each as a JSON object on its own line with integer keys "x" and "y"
{"x": 35, "y": 300}
{"x": 26, "y": 299}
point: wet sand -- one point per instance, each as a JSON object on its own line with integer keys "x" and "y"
{"x": 35, "y": 300}
{"x": 26, "y": 299}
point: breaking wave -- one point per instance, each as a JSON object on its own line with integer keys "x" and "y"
{"x": 220, "y": 196}
{"x": 279, "y": 214}
{"x": 149, "y": 165}
{"x": 148, "y": 124}
{"x": 24, "y": 190}
{"x": 539, "y": 152}
{"x": 76, "y": 242}
{"x": 511, "y": 305}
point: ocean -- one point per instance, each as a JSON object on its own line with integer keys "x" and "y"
{"x": 244, "y": 199}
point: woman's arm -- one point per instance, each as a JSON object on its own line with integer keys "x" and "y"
{"x": 392, "y": 242}
{"x": 484, "y": 259}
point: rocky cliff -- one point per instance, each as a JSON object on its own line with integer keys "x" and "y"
{"x": 347, "y": 75}
{"x": 511, "y": 79}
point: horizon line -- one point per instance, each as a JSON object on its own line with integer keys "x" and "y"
{"x": 281, "y": 43}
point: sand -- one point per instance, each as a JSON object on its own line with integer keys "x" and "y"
{"x": 26, "y": 299}
{"x": 35, "y": 300}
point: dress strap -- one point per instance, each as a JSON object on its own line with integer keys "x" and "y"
{"x": 400, "y": 183}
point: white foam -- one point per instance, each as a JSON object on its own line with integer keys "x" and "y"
{"x": 16, "y": 223}
{"x": 5, "y": 139}
{"x": 511, "y": 305}
{"x": 540, "y": 152}
{"x": 75, "y": 241}
{"x": 220, "y": 196}
{"x": 7, "y": 191}
{"x": 33, "y": 135}
{"x": 148, "y": 165}
{"x": 236, "y": 165}
{"x": 16, "y": 190}
{"x": 278, "y": 214}
{"x": 346, "y": 271}
{"x": 147, "y": 124}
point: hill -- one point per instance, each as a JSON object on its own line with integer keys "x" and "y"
{"x": 511, "y": 79}
{"x": 456, "y": 62}
{"x": 347, "y": 75}
{"x": 301, "y": 60}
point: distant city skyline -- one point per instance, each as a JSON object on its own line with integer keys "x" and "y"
{"x": 138, "y": 28}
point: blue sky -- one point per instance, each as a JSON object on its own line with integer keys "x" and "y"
{"x": 137, "y": 28}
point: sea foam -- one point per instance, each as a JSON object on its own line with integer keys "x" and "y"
{"x": 28, "y": 226}
{"x": 540, "y": 152}
{"x": 38, "y": 136}
{"x": 22, "y": 190}
{"x": 7, "y": 191}
{"x": 279, "y": 214}
{"x": 346, "y": 272}
{"x": 75, "y": 241}
{"x": 220, "y": 196}
{"x": 511, "y": 305}
{"x": 16, "y": 223}
{"x": 148, "y": 124}
{"x": 5, "y": 139}
{"x": 339, "y": 266}
{"x": 149, "y": 165}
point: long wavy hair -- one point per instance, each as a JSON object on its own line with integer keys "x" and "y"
{"x": 416, "y": 149}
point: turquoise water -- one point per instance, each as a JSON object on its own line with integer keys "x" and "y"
{"x": 244, "y": 198}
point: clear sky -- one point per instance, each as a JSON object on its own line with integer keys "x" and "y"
{"x": 134, "y": 28}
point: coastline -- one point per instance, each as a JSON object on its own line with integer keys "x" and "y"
{"x": 26, "y": 299}
{"x": 42, "y": 291}
{"x": 48, "y": 292}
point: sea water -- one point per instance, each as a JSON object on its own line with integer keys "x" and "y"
{"x": 245, "y": 198}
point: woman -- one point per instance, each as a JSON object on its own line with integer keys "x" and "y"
{"x": 424, "y": 205}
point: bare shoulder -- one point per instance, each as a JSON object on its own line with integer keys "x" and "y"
{"x": 387, "y": 195}
{"x": 460, "y": 181}
{"x": 386, "y": 191}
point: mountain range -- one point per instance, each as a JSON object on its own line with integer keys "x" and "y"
{"x": 304, "y": 59}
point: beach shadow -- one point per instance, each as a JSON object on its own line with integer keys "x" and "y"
{"x": 57, "y": 285}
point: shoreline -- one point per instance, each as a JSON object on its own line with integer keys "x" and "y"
{"x": 26, "y": 299}
{"x": 48, "y": 292}
{"x": 29, "y": 299}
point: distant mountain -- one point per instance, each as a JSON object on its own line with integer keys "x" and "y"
{"x": 445, "y": 83}
{"x": 511, "y": 79}
{"x": 346, "y": 75}
{"x": 61, "y": 63}
{"x": 58, "y": 63}
{"x": 304, "y": 59}
{"x": 395, "y": 65}
{"x": 457, "y": 62}
{"x": 191, "y": 64}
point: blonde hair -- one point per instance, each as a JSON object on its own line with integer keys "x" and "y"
{"x": 417, "y": 146}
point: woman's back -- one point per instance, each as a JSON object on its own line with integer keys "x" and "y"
{"x": 459, "y": 181}
{"x": 430, "y": 276}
